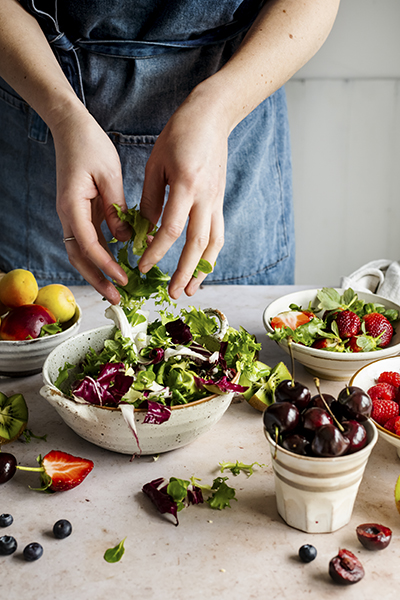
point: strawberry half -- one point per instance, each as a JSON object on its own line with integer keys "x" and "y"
{"x": 62, "y": 471}
{"x": 377, "y": 325}
{"x": 291, "y": 319}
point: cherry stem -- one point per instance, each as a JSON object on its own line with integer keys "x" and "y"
{"x": 276, "y": 440}
{"x": 339, "y": 425}
{"x": 289, "y": 342}
{"x": 36, "y": 469}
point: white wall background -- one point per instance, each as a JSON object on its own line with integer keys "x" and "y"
{"x": 344, "y": 111}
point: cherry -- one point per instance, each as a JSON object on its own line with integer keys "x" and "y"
{"x": 281, "y": 417}
{"x": 345, "y": 568}
{"x": 356, "y": 433}
{"x": 292, "y": 391}
{"x": 317, "y": 400}
{"x": 356, "y": 403}
{"x": 373, "y": 536}
{"x": 329, "y": 442}
{"x": 315, "y": 417}
{"x": 8, "y": 466}
{"x": 297, "y": 443}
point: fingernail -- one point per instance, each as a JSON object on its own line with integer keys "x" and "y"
{"x": 144, "y": 268}
{"x": 176, "y": 292}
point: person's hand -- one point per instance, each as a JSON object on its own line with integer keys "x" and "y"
{"x": 89, "y": 182}
{"x": 190, "y": 156}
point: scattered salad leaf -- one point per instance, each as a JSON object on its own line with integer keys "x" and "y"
{"x": 50, "y": 329}
{"x": 28, "y": 434}
{"x": 203, "y": 266}
{"x": 238, "y": 467}
{"x": 113, "y": 555}
{"x": 221, "y": 494}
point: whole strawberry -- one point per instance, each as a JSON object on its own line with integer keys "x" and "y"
{"x": 383, "y": 410}
{"x": 377, "y": 325}
{"x": 348, "y": 323}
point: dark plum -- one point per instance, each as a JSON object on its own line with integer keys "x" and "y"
{"x": 329, "y": 442}
{"x": 313, "y": 418}
{"x": 345, "y": 568}
{"x": 281, "y": 417}
{"x": 8, "y": 466}
{"x": 297, "y": 443}
{"x": 356, "y": 433}
{"x": 292, "y": 391}
{"x": 356, "y": 403}
{"x": 374, "y": 536}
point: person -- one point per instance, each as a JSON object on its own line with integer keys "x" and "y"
{"x": 176, "y": 106}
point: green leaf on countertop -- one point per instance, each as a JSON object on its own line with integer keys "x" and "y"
{"x": 238, "y": 467}
{"x": 221, "y": 494}
{"x": 113, "y": 555}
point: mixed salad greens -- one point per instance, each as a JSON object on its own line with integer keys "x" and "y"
{"x": 158, "y": 364}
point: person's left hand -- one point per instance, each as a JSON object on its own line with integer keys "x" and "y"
{"x": 190, "y": 156}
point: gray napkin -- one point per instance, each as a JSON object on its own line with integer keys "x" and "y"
{"x": 381, "y": 277}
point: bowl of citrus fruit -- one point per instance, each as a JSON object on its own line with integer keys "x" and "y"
{"x": 334, "y": 332}
{"x": 33, "y": 321}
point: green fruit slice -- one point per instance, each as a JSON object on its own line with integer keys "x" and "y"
{"x": 263, "y": 394}
{"x": 397, "y": 494}
{"x": 13, "y": 417}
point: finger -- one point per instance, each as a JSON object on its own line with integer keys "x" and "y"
{"x": 153, "y": 194}
{"x": 211, "y": 252}
{"x": 197, "y": 240}
{"x": 111, "y": 190}
{"x": 173, "y": 222}
{"x": 90, "y": 273}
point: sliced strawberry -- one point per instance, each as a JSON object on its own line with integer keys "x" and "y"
{"x": 63, "y": 471}
{"x": 382, "y": 391}
{"x": 389, "y": 377}
{"x": 353, "y": 344}
{"x": 348, "y": 323}
{"x": 377, "y": 325}
{"x": 327, "y": 343}
{"x": 291, "y": 318}
{"x": 383, "y": 410}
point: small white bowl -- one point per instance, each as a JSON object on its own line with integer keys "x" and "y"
{"x": 317, "y": 495}
{"x": 336, "y": 366}
{"x": 21, "y": 358}
{"x": 106, "y": 427}
{"x": 366, "y": 377}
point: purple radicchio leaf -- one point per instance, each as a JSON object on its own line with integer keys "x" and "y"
{"x": 195, "y": 495}
{"x": 156, "y": 355}
{"x": 162, "y": 501}
{"x": 157, "y": 413}
{"x": 227, "y": 386}
{"x": 109, "y": 387}
{"x": 179, "y": 332}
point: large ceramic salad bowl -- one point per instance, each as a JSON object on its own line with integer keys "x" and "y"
{"x": 125, "y": 428}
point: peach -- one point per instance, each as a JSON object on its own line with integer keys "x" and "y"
{"x": 18, "y": 287}
{"x": 25, "y": 322}
{"x": 59, "y": 300}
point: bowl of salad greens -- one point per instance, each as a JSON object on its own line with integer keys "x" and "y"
{"x": 334, "y": 332}
{"x": 142, "y": 386}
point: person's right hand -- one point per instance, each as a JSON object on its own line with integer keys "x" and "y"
{"x": 89, "y": 182}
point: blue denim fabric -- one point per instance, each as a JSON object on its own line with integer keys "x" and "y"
{"x": 132, "y": 99}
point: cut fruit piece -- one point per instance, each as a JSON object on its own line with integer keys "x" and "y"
{"x": 397, "y": 494}
{"x": 13, "y": 417}
{"x": 263, "y": 391}
{"x": 291, "y": 318}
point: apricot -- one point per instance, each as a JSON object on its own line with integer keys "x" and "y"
{"x": 25, "y": 322}
{"x": 59, "y": 300}
{"x": 18, "y": 287}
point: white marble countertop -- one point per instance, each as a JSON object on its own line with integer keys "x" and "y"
{"x": 242, "y": 552}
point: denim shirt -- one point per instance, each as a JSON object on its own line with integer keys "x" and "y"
{"x": 132, "y": 64}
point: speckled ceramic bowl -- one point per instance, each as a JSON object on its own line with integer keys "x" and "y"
{"x": 26, "y": 357}
{"x": 317, "y": 495}
{"x": 106, "y": 427}
{"x": 366, "y": 378}
{"x": 335, "y": 366}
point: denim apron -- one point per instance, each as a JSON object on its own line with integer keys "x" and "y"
{"x": 132, "y": 64}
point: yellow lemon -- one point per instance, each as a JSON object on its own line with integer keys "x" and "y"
{"x": 59, "y": 300}
{"x": 18, "y": 287}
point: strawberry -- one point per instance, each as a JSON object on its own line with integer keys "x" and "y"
{"x": 353, "y": 345}
{"x": 393, "y": 425}
{"x": 291, "y": 318}
{"x": 327, "y": 343}
{"x": 377, "y": 325}
{"x": 348, "y": 323}
{"x": 389, "y": 377}
{"x": 382, "y": 391}
{"x": 62, "y": 471}
{"x": 383, "y": 410}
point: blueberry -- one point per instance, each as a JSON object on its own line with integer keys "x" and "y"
{"x": 6, "y": 520}
{"x": 33, "y": 551}
{"x": 8, "y": 545}
{"x": 62, "y": 529}
{"x": 307, "y": 553}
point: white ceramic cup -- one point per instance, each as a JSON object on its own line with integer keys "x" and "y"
{"x": 317, "y": 495}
